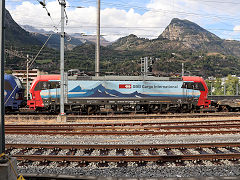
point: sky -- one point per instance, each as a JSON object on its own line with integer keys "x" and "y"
{"x": 144, "y": 18}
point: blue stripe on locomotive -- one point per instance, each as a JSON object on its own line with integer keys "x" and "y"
{"x": 14, "y": 86}
{"x": 129, "y": 89}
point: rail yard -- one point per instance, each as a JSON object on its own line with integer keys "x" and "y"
{"x": 130, "y": 146}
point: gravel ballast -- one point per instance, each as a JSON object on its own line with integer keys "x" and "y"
{"x": 146, "y": 139}
{"x": 138, "y": 172}
{"x": 152, "y": 170}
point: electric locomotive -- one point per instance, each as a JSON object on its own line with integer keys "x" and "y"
{"x": 13, "y": 93}
{"x": 90, "y": 94}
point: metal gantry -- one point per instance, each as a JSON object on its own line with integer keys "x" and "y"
{"x": 146, "y": 64}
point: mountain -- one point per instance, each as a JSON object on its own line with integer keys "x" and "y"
{"x": 35, "y": 30}
{"x": 90, "y": 38}
{"x": 129, "y": 42}
{"x": 54, "y": 42}
{"x": 190, "y": 34}
{"x": 202, "y": 52}
{"x": 72, "y": 40}
{"x": 180, "y": 35}
{"x": 15, "y": 35}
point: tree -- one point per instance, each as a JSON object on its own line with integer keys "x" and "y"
{"x": 218, "y": 87}
{"x": 231, "y": 84}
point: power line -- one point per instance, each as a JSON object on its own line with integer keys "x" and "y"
{"x": 144, "y": 28}
{"x": 218, "y": 2}
{"x": 158, "y": 10}
{"x": 135, "y": 27}
{"x": 213, "y": 16}
{"x": 49, "y": 15}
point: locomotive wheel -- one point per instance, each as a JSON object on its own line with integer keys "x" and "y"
{"x": 92, "y": 110}
{"x": 185, "y": 109}
{"x": 224, "y": 109}
{"x": 154, "y": 108}
{"x": 163, "y": 108}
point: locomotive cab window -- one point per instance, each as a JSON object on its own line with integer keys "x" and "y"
{"x": 54, "y": 84}
{"x": 191, "y": 85}
{"x": 188, "y": 85}
{"x": 199, "y": 86}
{"x": 44, "y": 85}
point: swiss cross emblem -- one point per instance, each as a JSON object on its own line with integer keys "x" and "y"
{"x": 125, "y": 86}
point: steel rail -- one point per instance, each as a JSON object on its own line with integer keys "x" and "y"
{"x": 103, "y": 158}
{"x": 124, "y": 132}
{"x": 202, "y": 127}
{"x": 117, "y": 117}
{"x": 129, "y": 123}
{"x": 137, "y": 158}
{"x": 123, "y": 146}
{"x": 93, "y": 128}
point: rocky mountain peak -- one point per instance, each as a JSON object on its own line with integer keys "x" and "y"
{"x": 128, "y": 42}
{"x": 191, "y": 34}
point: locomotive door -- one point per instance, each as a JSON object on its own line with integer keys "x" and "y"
{"x": 188, "y": 92}
{"x": 52, "y": 88}
{"x": 54, "y": 91}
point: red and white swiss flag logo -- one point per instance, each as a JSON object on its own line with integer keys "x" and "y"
{"x": 125, "y": 86}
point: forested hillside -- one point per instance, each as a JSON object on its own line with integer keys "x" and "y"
{"x": 202, "y": 52}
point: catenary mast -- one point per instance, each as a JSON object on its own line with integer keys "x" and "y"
{"x": 97, "y": 55}
{"x": 63, "y": 5}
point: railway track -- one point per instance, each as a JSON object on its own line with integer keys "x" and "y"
{"x": 74, "y": 118}
{"x": 26, "y": 154}
{"x": 142, "y": 128}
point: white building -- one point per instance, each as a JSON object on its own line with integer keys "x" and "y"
{"x": 32, "y": 74}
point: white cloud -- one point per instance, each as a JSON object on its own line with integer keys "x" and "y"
{"x": 237, "y": 28}
{"x": 118, "y": 22}
{"x": 35, "y": 15}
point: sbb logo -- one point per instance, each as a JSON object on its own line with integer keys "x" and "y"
{"x": 125, "y": 86}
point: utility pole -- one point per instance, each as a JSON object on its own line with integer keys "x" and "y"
{"x": 211, "y": 87}
{"x": 27, "y": 75}
{"x": 2, "y": 27}
{"x": 97, "y": 54}
{"x": 63, "y": 5}
{"x": 182, "y": 69}
{"x": 237, "y": 89}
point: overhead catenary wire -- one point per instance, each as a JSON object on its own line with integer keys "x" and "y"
{"x": 162, "y": 10}
{"x": 135, "y": 27}
{"x": 40, "y": 50}
{"x": 48, "y": 13}
{"x": 126, "y": 4}
{"x": 218, "y": 2}
{"x": 165, "y": 11}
